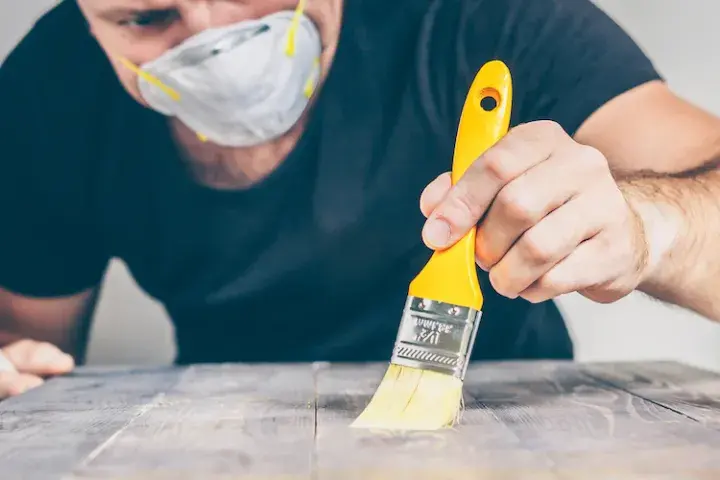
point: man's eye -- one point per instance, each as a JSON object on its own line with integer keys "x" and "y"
{"x": 151, "y": 19}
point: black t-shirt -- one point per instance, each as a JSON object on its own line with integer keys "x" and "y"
{"x": 312, "y": 263}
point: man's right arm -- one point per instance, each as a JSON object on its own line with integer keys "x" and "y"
{"x": 53, "y": 250}
{"x": 62, "y": 321}
{"x": 41, "y": 337}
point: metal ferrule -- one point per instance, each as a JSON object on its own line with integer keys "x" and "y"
{"x": 436, "y": 336}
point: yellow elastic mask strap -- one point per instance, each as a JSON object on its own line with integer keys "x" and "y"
{"x": 153, "y": 80}
{"x": 292, "y": 31}
{"x": 171, "y": 92}
{"x": 311, "y": 82}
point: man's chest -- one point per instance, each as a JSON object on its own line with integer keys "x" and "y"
{"x": 338, "y": 220}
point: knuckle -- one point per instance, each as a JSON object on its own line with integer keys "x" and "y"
{"x": 41, "y": 353}
{"x": 19, "y": 350}
{"x": 518, "y": 204}
{"x": 540, "y": 130}
{"x": 35, "y": 357}
{"x": 23, "y": 344}
{"x": 463, "y": 204}
{"x": 537, "y": 247}
{"x": 550, "y": 281}
{"x": 609, "y": 245}
{"x": 551, "y": 127}
{"x": 553, "y": 284}
{"x": 522, "y": 130}
{"x": 592, "y": 157}
{"x": 498, "y": 161}
{"x": 44, "y": 346}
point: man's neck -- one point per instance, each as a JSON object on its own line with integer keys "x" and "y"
{"x": 227, "y": 168}
{"x": 233, "y": 168}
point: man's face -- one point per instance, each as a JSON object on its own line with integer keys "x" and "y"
{"x": 142, "y": 30}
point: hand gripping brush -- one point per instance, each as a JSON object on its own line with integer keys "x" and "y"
{"x": 422, "y": 388}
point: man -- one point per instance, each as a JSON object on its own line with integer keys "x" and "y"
{"x": 258, "y": 165}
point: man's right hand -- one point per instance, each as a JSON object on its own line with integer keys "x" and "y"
{"x": 33, "y": 361}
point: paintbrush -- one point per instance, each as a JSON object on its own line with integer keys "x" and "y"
{"x": 422, "y": 388}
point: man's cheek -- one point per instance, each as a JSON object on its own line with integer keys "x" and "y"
{"x": 115, "y": 50}
{"x": 128, "y": 79}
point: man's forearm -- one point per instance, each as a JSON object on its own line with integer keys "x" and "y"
{"x": 681, "y": 215}
{"x": 64, "y": 322}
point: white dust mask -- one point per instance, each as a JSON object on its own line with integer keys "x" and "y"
{"x": 238, "y": 85}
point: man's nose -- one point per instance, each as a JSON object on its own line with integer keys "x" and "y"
{"x": 199, "y": 15}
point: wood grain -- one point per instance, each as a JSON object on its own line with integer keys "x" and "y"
{"x": 523, "y": 420}
{"x": 482, "y": 447}
{"x": 689, "y": 391}
{"x": 589, "y": 429}
{"x": 47, "y": 432}
{"x": 217, "y": 421}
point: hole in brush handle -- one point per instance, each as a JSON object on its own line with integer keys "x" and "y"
{"x": 489, "y": 99}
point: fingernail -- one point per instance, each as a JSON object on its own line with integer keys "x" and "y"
{"x": 14, "y": 391}
{"x": 437, "y": 233}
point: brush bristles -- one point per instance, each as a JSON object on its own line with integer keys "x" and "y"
{"x": 413, "y": 399}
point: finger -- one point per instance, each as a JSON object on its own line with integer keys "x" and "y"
{"x": 434, "y": 193}
{"x": 547, "y": 243}
{"x": 468, "y": 200}
{"x": 12, "y": 384}
{"x": 590, "y": 264}
{"x": 525, "y": 201}
{"x": 38, "y": 358}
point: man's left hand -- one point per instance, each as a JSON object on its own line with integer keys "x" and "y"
{"x": 550, "y": 218}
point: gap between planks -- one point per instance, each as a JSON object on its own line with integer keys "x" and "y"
{"x": 109, "y": 441}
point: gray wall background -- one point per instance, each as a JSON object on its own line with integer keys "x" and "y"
{"x": 679, "y": 35}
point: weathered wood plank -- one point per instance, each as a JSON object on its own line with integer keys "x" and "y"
{"x": 689, "y": 391}
{"x": 218, "y": 422}
{"x": 46, "y": 432}
{"x": 590, "y": 429}
{"x": 482, "y": 447}
{"x": 523, "y": 420}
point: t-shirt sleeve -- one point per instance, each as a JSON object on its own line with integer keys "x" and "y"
{"x": 49, "y": 245}
{"x": 567, "y": 57}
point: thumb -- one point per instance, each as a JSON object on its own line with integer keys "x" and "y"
{"x": 460, "y": 209}
{"x": 434, "y": 193}
{"x": 38, "y": 358}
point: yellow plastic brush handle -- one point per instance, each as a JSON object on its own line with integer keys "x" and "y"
{"x": 450, "y": 275}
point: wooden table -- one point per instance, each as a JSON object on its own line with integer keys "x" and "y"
{"x": 548, "y": 420}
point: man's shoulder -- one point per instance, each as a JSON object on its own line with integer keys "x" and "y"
{"x": 53, "y": 37}
{"x": 57, "y": 62}
{"x": 58, "y": 81}
{"x": 56, "y": 102}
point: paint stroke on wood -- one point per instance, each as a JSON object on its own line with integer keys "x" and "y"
{"x": 472, "y": 450}
{"x": 523, "y": 420}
